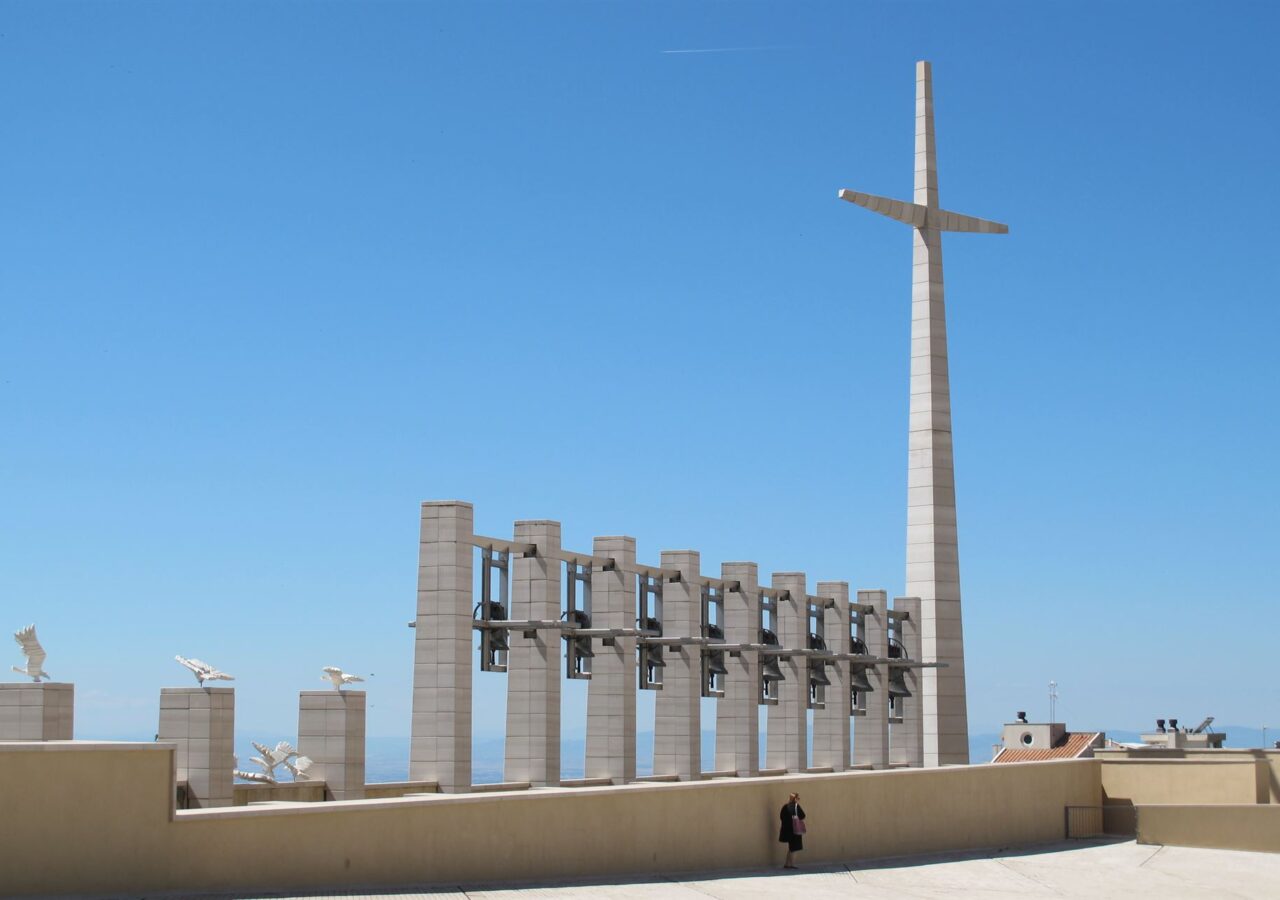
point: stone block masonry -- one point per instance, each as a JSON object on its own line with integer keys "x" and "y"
{"x": 200, "y": 723}
{"x": 331, "y": 731}
{"x": 37, "y": 712}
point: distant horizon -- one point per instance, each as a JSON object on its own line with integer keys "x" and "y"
{"x": 387, "y": 756}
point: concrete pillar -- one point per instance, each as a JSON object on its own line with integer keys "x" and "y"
{"x": 933, "y": 556}
{"x": 906, "y": 740}
{"x": 331, "y": 733}
{"x": 611, "y": 693}
{"x": 871, "y": 734}
{"x": 787, "y": 741}
{"x": 201, "y": 722}
{"x": 831, "y": 723}
{"x": 43, "y": 711}
{"x": 738, "y": 712}
{"x": 677, "y": 727}
{"x": 534, "y": 663}
{"x": 440, "y": 748}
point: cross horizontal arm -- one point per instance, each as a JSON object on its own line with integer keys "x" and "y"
{"x": 922, "y": 216}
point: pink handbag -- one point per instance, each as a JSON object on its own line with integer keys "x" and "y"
{"x": 797, "y": 825}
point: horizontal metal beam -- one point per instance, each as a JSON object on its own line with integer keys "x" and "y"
{"x": 515, "y": 548}
{"x": 520, "y": 625}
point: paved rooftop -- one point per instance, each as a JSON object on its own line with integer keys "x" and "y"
{"x": 1077, "y": 869}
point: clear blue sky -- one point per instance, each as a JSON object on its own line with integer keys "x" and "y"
{"x": 274, "y": 273}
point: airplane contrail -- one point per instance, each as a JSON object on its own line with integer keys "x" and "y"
{"x": 722, "y": 49}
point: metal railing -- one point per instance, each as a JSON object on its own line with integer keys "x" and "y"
{"x": 1079, "y": 822}
{"x": 1082, "y": 822}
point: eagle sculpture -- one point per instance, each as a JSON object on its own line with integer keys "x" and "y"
{"x": 34, "y": 653}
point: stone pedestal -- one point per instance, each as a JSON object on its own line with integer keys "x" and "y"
{"x": 201, "y": 722}
{"x": 533, "y": 663}
{"x": 611, "y": 693}
{"x": 906, "y": 739}
{"x": 37, "y": 712}
{"x": 331, "y": 733}
{"x": 831, "y": 723}
{"x": 738, "y": 711}
{"x": 871, "y": 734}
{"x": 440, "y": 746}
{"x": 787, "y": 741}
{"x": 677, "y": 727}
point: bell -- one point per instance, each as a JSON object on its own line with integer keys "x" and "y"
{"x": 898, "y": 683}
{"x": 498, "y": 639}
{"x": 654, "y": 657}
{"x": 818, "y": 675}
{"x": 816, "y": 642}
{"x": 857, "y": 645}
{"x": 651, "y": 625}
{"x": 715, "y": 663}
{"x": 582, "y": 647}
{"x": 715, "y": 632}
{"x": 771, "y": 671}
{"x": 579, "y": 618}
{"x": 497, "y": 612}
{"x": 768, "y": 637}
{"x": 859, "y": 682}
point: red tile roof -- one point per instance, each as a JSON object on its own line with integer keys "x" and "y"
{"x": 1073, "y": 746}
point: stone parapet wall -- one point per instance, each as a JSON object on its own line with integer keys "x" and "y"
{"x": 98, "y": 818}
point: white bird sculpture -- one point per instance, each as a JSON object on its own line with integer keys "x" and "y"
{"x": 270, "y": 759}
{"x": 298, "y": 767}
{"x": 338, "y": 677}
{"x": 203, "y": 671}
{"x": 34, "y": 653}
{"x": 249, "y": 776}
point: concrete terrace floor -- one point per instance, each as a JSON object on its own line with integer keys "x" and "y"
{"x": 1075, "y": 869}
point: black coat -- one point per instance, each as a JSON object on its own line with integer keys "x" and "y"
{"x": 786, "y": 834}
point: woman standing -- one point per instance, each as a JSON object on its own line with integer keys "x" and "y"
{"x": 792, "y": 828}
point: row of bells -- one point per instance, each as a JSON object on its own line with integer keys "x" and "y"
{"x": 770, "y": 670}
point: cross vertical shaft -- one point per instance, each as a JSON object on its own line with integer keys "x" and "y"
{"x": 933, "y": 560}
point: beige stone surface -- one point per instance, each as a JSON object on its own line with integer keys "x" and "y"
{"x": 677, "y": 720}
{"x": 1223, "y": 826}
{"x": 1085, "y": 869}
{"x": 532, "y": 750}
{"x": 1228, "y": 779}
{"x": 787, "y": 737}
{"x": 440, "y": 742}
{"x": 331, "y": 732}
{"x": 110, "y": 806}
{"x": 611, "y": 693}
{"x": 37, "y": 711}
{"x": 737, "y": 717}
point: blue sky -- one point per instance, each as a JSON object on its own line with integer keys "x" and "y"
{"x": 275, "y": 273}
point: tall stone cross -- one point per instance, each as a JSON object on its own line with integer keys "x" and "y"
{"x": 933, "y": 558}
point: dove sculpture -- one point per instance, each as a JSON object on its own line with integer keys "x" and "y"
{"x": 337, "y": 677}
{"x": 298, "y": 767}
{"x": 203, "y": 671}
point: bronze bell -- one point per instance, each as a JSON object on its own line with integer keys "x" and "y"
{"x": 859, "y": 681}
{"x": 818, "y": 675}
{"x": 898, "y": 683}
